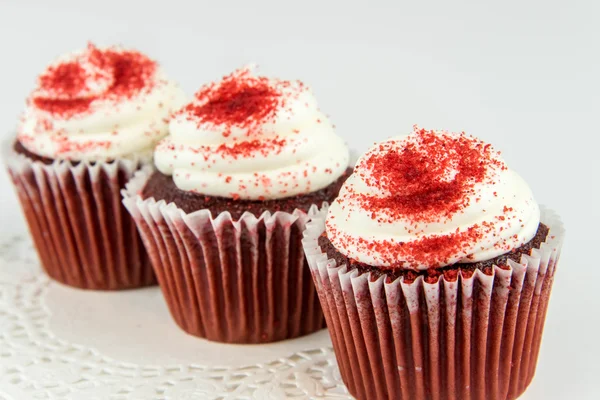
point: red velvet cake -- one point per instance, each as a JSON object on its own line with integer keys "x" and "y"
{"x": 91, "y": 122}
{"x": 434, "y": 267}
{"x": 245, "y": 165}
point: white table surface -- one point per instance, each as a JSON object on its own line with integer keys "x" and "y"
{"x": 522, "y": 75}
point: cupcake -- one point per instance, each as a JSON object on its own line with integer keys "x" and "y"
{"x": 434, "y": 267}
{"x": 91, "y": 122}
{"x": 245, "y": 164}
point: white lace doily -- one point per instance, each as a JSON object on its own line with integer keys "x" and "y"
{"x": 63, "y": 343}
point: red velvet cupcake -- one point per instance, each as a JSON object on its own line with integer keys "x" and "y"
{"x": 434, "y": 268}
{"x": 222, "y": 218}
{"x": 91, "y": 122}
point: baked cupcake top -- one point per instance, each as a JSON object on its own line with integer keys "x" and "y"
{"x": 254, "y": 138}
{"x": 98, "y": 104}
{"x": 431, "y": 199}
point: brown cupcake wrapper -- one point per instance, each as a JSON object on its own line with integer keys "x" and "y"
{"x": 83, "y": 235}
{"x": 243, "y": 281}
{"x": 476, "y": 338}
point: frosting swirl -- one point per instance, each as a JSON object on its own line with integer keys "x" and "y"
{"x": 252, "y": 138}
{"x": 431, "y": 199}
{"x": 98, "y": 104}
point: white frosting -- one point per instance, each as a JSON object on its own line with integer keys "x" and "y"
{"x": 112, "y": 127}
{"x": 293, "y": 151}
{"x": 503, "y": 203}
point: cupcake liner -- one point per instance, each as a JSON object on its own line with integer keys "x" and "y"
{"x": 474, "y": 338}
{"x": 83, "y": 235}
{"x": 243, "y": 281}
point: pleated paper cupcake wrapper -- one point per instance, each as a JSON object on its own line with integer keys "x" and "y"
{"x": 243, "y": 281}
{"x": 83, "y": 235}
{"x": 475, "y": 338}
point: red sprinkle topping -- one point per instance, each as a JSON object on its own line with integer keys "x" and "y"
{"x": 246, "y": 149}
{"x": 64, "y": 145}
{"x": 68, "y": 78}
{"x": 70, "y": 88}
{"x": 429, "y": 176}
{"x": 240, "y": 100}
{"x": 63, "y": 108}
{"x": 433, "y": 251}
{"x": 425, "y": 178}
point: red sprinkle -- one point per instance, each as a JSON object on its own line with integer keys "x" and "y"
{"x": 240, "y": 99}
{"x": 433, "y": 251}
{"x": 425, "y": 178}
{"x": 63, "y": 108}
{"x": 68, "y": 83}
{"x": 429, "y": 177}
{"x": 65, "y": 145}
{"x": 246, "y": 149}
{"x": 69, "y": 79}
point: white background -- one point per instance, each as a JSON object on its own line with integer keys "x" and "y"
{"x": 522, "y": 75}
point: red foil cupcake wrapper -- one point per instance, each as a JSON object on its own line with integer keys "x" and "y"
{"x": 83, "y": 235}
{"x": 474, "y": 338}
{"x": 242, "y": 281}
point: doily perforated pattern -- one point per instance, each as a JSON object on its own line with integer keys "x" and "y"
{"x": 36, "y": 364}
